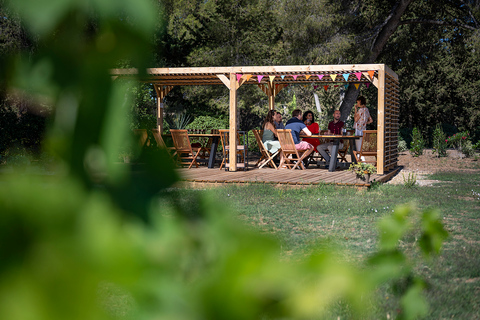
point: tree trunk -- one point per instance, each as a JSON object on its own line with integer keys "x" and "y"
{"x": 385, "y": 31}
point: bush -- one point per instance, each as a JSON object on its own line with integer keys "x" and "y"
{"x": 439, "y": 142}
{"x": 208, "y": 123}
{"x": 467, "y": 149}
{"x": 461, "y": 142}
{"x": 418, "y": 143}
{"x": 402, "y": 146}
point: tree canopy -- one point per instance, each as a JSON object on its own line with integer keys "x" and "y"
{"x": 432, "y": 45}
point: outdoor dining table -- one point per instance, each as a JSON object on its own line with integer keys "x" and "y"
{"x": 213, "y": 149}
{"x": 336, "y": 142}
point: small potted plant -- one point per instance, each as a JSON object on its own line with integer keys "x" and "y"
{"x": 363, "y": 170}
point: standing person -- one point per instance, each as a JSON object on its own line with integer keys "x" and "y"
{"x": 278, "y": 121}
{"x": 296, "y": 125}
{"x": 362, "y": 118}
{"x": 270, "y": 133}
{"x": 309, "y": 121}
{"x": 334, "y": 127}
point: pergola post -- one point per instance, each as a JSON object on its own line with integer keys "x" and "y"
{"x": 271, "y": 90}
{"x": 232, "y": 154}
{"x": 381, "y": 122}
{"x": 161, "y": 91}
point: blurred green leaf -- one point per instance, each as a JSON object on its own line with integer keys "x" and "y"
{"x": 393, "y": 227}
{"x": 433, "y": 232}
{"x": 414, "y": 305}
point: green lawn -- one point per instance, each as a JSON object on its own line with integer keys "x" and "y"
{"x": 300, "y": 217}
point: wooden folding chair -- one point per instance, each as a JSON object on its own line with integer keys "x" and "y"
{"x": 288, "y": 148}
{"x": 266, "y": 156}
{"x": 342, "y": 153}
{"x": 368, "y": 148}
{"x": 184, "y": 149}
{"x": 241, "y": 150}
{"x": 161, "y": 143}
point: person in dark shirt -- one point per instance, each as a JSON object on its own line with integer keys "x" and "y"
{"x": 296, "y": 125}
{"x": 334, "y": 127}
{"x": 277, "y": 121}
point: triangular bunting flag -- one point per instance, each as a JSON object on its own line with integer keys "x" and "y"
{"x": 307, "y": 76}
{"x": 315, "y": 87}
{"x": 320, "y": 76}
{"x": 335, "y": 86}
{"x": 368, "y": 84}
{"x": 305, "y": 86}
{"x": 248, "y": 76}
{"x": 345, "y": 76}
{"x": 282, "y": 76}
{"x": 333, "y": 76}
{"x": 346, "y": 86}
{"x": 359, "y": 75}
{"x": 371, "y": 73}
{"x": 325, "y": 87}
{"x": 239, "y": 75}
{"x": 271, "y": 78}
{"x": 259, "y": 78}
{"x": 357, "y": 85}
{"x": 295, "y": 77}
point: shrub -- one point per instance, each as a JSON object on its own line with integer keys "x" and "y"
{"x": 410, "y": 181}
{"x": 439, "y": 142}
{"x": 402, "y": 146}
{"x": 461, "y": 142}
{"x": 418, "y": 143}
{"x": 468, "y": 149}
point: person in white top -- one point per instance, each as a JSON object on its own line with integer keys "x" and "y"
{"x": 362, "y": 118}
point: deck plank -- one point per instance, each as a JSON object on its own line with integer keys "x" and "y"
{"x": 312, "y": 175}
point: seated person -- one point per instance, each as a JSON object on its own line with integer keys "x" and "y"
{"x": 296, "y": 125}
{"x": 334, "y": 127}
{"x": 270, "y": 132}
{"x": 278, "y": 121}
{"x": 309, "y": 121}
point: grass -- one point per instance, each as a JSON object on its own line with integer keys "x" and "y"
{"x": 300, "y": 217}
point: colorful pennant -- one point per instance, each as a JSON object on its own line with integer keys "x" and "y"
{"x": 248, "y": 76}
{"x": 282, "y": 76}
{"x": 295, "y": 77}
{"x": 359, "y": 75}
{"x": 333, "y": 76}
{"x": 325, "y": 87}
{"x": 307, "y": 76}
{"x": 357, "y": 85}
{"x": 239, "y": 76}
{"x": 320, "y": 76}
{"x": 371, "y": 74}
{"x": 259, "y": 77}
{"x": 345, "y": 76}
{"x": 271, "y": 78}
{"x": 368, "y": 84}
{"x": 346, "y": 86}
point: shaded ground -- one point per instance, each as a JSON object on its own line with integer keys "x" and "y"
{"x": 428, "y": 163}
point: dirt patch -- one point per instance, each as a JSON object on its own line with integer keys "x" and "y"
{"x": 428, "y": 164}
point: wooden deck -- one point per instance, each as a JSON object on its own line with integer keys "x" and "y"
{"x": 310, "y": 176}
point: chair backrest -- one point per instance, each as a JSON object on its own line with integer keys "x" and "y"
{"x": 323, "y": 132}
{"x": 286, "y": 140}
{"x": 159, "y": 139}
{"x": 258, "y": 137}
{"x": 369, "y": 141}
{"x": 346, "y": 142}
{"x": 181, "y": 140}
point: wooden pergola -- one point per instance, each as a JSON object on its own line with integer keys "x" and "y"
{"x": 272, "y": 79}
